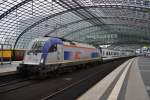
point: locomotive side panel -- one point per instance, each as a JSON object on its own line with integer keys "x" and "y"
{"x": 76, "y": 53}
{"x": 55, "y": 55}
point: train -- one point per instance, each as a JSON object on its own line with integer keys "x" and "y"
{"x": 14, "y": 55}
{"x": 46, "y": 55}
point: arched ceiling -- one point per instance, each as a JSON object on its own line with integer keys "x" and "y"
{"x": 115, "y": 22}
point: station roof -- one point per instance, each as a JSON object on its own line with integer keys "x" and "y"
{"x": 97, "y": 22}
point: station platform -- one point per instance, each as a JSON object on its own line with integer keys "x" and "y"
{"x": 7, "y": 68}
{"x": 130, "y": 81}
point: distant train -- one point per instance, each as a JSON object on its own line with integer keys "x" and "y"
{"x": 14, "y": 55}
{"x": 48, "y": 54}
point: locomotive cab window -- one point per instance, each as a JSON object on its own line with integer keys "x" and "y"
{"x": 53, "y": 48}
{"x": 36, "y": 47}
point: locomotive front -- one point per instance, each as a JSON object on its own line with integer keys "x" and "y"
{"x": 34, "y": 52}
{"x": 37, "y": 55}
{"x": 32, "y": 58}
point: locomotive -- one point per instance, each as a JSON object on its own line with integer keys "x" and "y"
{"x": 48, "y": 54}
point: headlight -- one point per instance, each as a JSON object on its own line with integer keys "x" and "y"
{"x": 42, "y": 61}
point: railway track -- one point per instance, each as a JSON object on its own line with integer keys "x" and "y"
{"x": 12, "y": 82}
{"x": 14, "y": 85}
{"x": 68, "y": 87}
{"x": 8, "y": 78}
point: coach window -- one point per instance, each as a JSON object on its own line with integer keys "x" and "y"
{"x": 37, "y": 46}
{"x": 106, "y": 53}
{"x": 103, "y": 53}
{"x": 53, "y": 48}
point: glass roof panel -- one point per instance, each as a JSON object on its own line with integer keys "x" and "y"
{"x": 23, "y": 20}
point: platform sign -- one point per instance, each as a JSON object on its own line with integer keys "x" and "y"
{"x": 103, "y": 36}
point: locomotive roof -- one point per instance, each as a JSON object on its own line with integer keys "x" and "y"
{"x": 78, "y": 44}
{"x": 65, "y": 41}
{"x": 41, "y": 39}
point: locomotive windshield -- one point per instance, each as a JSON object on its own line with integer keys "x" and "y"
{"x": 36, "y": 47}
